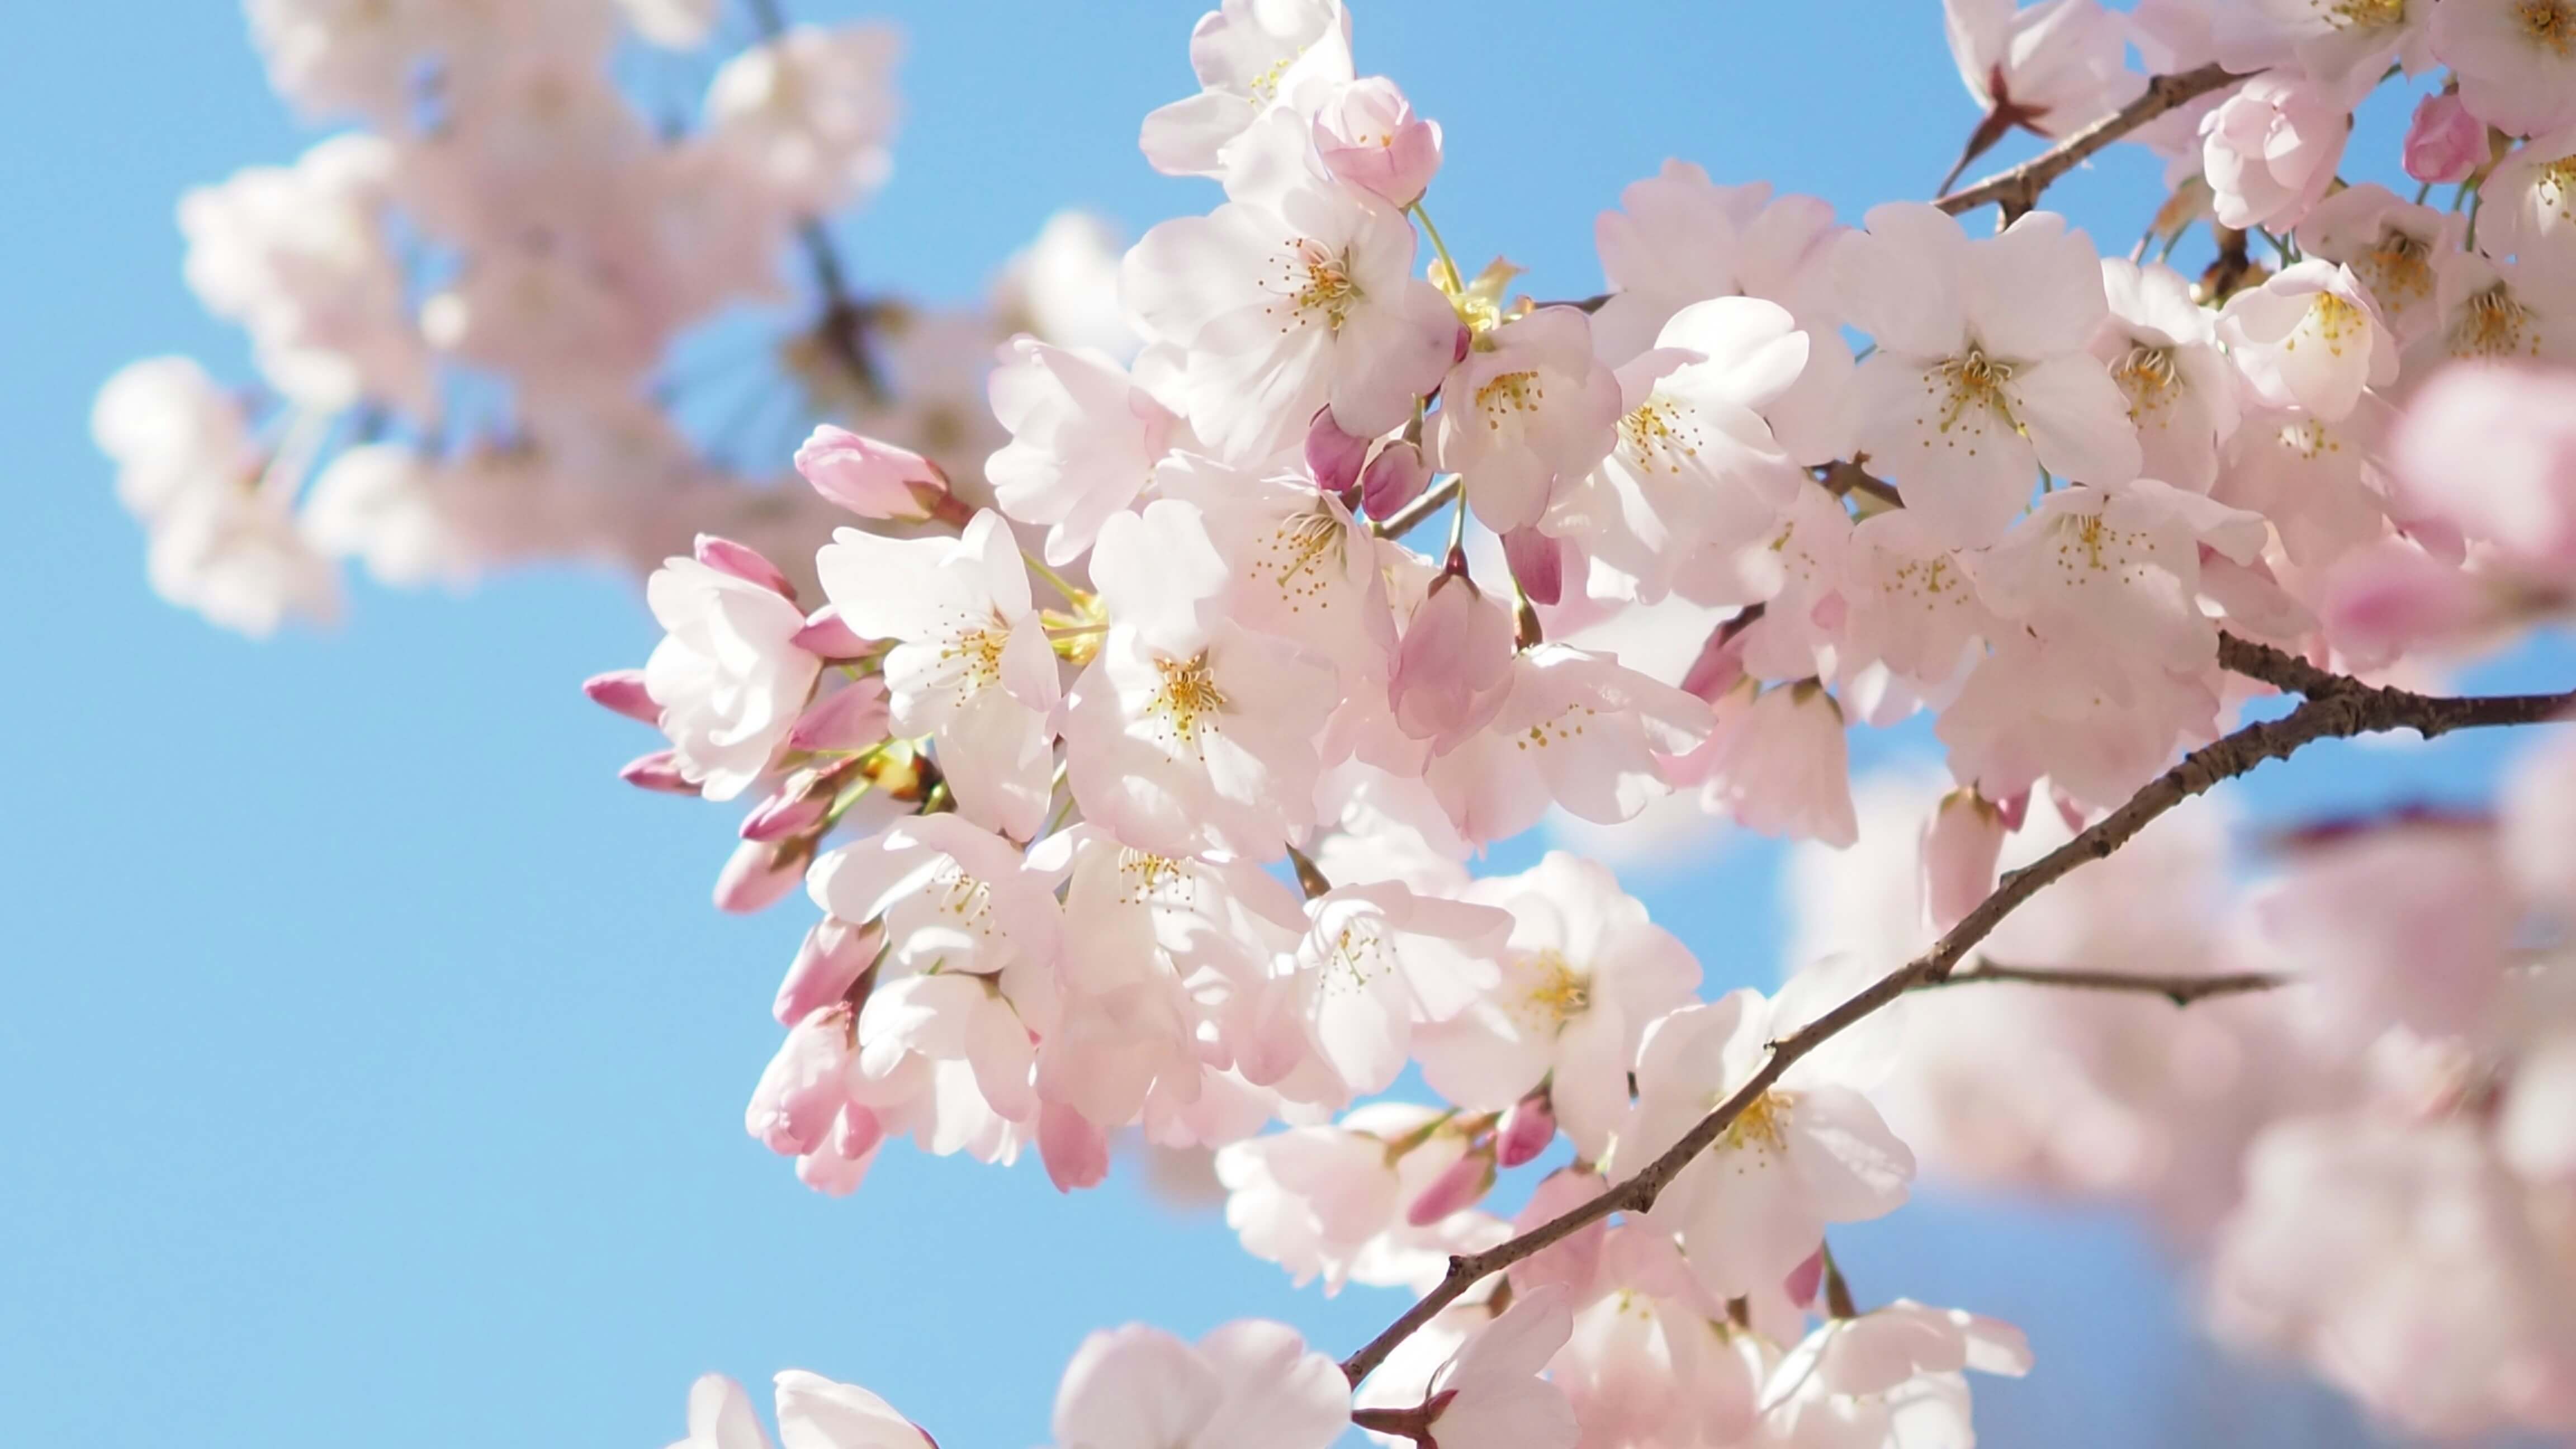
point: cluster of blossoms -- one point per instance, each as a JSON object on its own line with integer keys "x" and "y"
{"x": 464, "y": 309}
{"x": 1137, "y": 744}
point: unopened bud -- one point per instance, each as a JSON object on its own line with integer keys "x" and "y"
{"x": 1720, "y": 665}
{"x": 796, "y": 808}
{"x": 1455, "y": 1190}
{"x": 870, "y": 478}
{"x": 743, "y": 562}
{"x": 623, "y": 691}
{"x": 828, "y": 963}
{"x": 826, "y": 637}
{"x": 1334, "y": 456}
{"x": 1538, "y": 564}
{"x": 659, "y": 770}
{"x": 1960, "y": 847}
{"x": 852, "y": 717}
{"x": 1527, "y": 1128}
{"x": 758, "y": 875}
{"x": 1394, "y": 478}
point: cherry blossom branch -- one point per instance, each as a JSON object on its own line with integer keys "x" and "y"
{"x": 2180, "y": 990}
{"x": 2339, "y": 709}
{"x": 1403, "y": 520}
{"x": 2279, "y": 668}
{"x": 2018, "y": 189}
{"x": 843, "y": 329}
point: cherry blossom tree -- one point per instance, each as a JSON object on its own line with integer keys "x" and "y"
{"x": 1137, "y": 752}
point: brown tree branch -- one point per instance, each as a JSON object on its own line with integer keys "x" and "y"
{"x": 1402, "y": 521}
{"x": 2018, "y": 189}
{"x": 2180, "y": 990}
{"x": 2339, "y": 709}
{"x": 2279, "y": 668}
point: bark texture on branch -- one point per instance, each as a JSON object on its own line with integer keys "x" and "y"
{"x": 2018, "y": 189}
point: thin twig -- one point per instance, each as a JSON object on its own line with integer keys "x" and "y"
{"x": 2018, "y": 189}
{"x": 2180, "y": 990}
{"x": 1403, "y": 520}
{"x": 843, "y": 328}
{"x": 2345, "y": 709}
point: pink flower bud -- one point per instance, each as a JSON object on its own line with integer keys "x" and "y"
{"x": 1369, "y": 137}
{"x": 623, "y": 691}
{"x": 1334, "y": 456}
{"x": 1806, "y": 1280}
{"x": 1960, "y": 847}
{"x": 743, "y": 562}
{"x": 1457, "y": 1189}
{"x": 1076, "y": 1153}
{"x": 1453, "y": 666}
{"x": 828, "y": 963}
{"x": 1394, "y": 478}
{"x": 2444, "y": 143}
{"x": 2014, "y": 808}
{"x": 659, "y": 770}
{"x": 870, "y": 478}
{"x": 758, "y": 875}
{"x": 1527, "y": 1128}
{"x": 857, "y": 1133}
{"x": 852, "y": 717}
{"x": 793, "y": 809}
{"x": 826, "y": 637}
{"x": 1538, "y": 564}
{"x": 804, "y": 1086}
{"x": 1720, "y": 665}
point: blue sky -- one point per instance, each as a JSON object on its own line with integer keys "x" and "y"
{"x": 375, "y": 1063}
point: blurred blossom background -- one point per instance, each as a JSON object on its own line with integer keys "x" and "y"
{"x": 376, "y": 1060}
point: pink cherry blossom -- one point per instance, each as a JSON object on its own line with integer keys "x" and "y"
{"x": 1695, "y": 467}
{"x": 809, "y": 114}
{"x": 1287, "y": 300}
{"x": 1189, "y": 731}
{"x": 1582, "y": 974}
{"x": 1376, "y": 959}
{"x": 1490, "y": 1396}
{"x": 2528, "y": 203}
{"x": 1528, "y": 413}
{"x": 1981, "y": 376}
{"x": 1778, "y": 763}
{"x": 1806, "y": 1153}
{"x": 2162, "y": 350}
{"x": 2513, "y": 59}
{"x": 2053, "y": 67}
{"x": 1250, "y": 57}
{"x": 728, "y": 676}
{"x": 2270, "y": 150}
{"x": 2492, "y": 451}
{"x": 2309, "y": 338}
{"x": 1368, "y": 136}
{"x": 2392, "y": 246}
{"x": 2444, "y": 143}
{"x": 1596, "y": 732}
{"x": 1249, "y": 1383}
{"x": 1084, "y": 440}
{"x": 1890, "y": 1377}
{"x": 1328, "y": 1201}
{"x": 2345, "y": 49}
{"x": 1455, "y": 664}
{"x": 870, "y": 478}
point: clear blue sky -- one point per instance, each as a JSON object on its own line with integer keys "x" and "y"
{"x": 373, "y": 1065}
